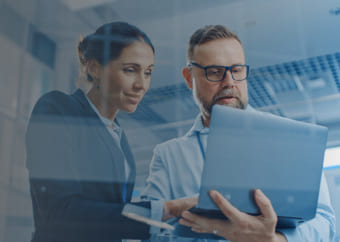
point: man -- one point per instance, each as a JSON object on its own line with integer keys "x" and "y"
{"x": 216, "y": 73}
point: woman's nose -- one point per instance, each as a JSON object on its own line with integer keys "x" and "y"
{"x": 141, "y": 82}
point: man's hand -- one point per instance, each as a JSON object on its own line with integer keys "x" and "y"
{"x": 174, "y": 208}
{"x": 239, "y": 226}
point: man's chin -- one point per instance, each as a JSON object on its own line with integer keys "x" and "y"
{"x": 230, "y": 102}
{"x": 207, "y": 109}
{"x": 232, "y": 105}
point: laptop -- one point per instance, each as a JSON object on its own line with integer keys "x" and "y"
{"x": 247, "y": 150}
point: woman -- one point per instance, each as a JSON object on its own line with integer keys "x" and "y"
{"x": 81, "y": 168}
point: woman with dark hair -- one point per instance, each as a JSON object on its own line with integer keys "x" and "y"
{"x": 81, "y": 168}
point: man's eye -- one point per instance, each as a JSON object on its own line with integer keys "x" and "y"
{"x": 129, "y": 70}
{"x": 236, "y": 69}
{"x": 214, "y": 71}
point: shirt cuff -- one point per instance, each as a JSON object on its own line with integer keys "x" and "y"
{"x": 289, "y": 233}
{"x": 156, "y": 214}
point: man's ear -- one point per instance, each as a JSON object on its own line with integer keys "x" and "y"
{"x": 186, "y": 72}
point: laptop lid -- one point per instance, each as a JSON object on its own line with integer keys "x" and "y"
{"x": 247, "y": 150}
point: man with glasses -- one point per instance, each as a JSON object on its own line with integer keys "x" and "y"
{"x": 216, "y": 73}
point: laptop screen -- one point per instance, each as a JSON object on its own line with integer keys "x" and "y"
{"x": 249, "y": 150}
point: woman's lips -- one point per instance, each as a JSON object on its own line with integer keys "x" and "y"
{"x": 134, "y": 98}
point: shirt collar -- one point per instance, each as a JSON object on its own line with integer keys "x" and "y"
{"x": 199, "y": 127}
{"x": 107, "y": 122}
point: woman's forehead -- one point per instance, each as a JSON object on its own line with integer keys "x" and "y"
{"x": 139, "y": 53}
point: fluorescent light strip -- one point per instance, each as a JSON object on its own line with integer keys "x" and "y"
{"x": 332, "y": 158}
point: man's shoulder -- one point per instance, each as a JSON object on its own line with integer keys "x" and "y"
{"x": 174, "y": 144}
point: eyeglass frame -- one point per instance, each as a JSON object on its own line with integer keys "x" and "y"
{"x": 226, "y": 68}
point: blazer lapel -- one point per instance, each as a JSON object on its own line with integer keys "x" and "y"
{"x": 106, "y": 140}
{"x": 131, "y": 162}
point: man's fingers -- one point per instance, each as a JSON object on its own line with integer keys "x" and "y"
{"x": 188, "y": 216}
{"x": 192, "y": 202}
{"x": 187, "y": 203}
{"x": 174, "y": 208}
{"x": 195, "y": 221}
{"x": 202, "y": 224}
{"x": 199, "y": 230}
{"x": 227, "y": 209}
{"x": 186, "y": 222}
{"x": 265, "y": 206}
{"x": 193, "y": 226}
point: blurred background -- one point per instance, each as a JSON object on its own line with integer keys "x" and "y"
{"x": 292, "y": 47}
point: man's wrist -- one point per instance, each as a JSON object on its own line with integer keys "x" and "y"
{"x": 167, "y": 207}
{"x": 174, "y": 208}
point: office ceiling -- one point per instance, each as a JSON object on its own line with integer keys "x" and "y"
{"x": 292, "y": 46}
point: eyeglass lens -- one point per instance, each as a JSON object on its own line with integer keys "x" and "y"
{"x": 217, "y": 73}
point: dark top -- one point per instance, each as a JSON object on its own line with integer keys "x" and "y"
{"x": 76, "y": 173}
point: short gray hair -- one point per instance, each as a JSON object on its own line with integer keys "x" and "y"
{"x": 209, "y": 33}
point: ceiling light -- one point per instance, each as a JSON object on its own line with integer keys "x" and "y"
{"x": 75, "y": 5}
{"x": 316, "y": 83}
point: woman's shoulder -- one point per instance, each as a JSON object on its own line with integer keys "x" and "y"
{"x": 54, "y": 96}
{"x": 55, "y": 102}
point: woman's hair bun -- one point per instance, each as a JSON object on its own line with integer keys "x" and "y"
{"x": 82, "y": 46}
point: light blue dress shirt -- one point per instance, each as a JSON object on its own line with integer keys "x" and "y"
{"x": 175, "y": 172}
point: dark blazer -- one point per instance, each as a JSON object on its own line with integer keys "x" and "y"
{"x": 76, "y": 173}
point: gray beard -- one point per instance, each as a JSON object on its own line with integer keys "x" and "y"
{"x": 207, "y": 107}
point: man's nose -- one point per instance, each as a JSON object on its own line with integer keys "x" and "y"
{"x": 228, "y": 80}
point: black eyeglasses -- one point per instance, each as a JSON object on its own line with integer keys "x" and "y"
{"x": 217, "y": 73}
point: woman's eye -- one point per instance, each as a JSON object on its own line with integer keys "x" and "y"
{"x": 148, "y": 73}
